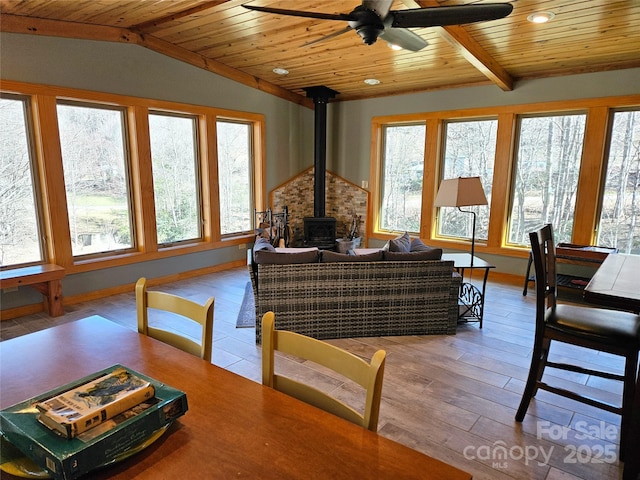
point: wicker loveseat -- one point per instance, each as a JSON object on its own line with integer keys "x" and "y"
{"x": 358, "y": 298}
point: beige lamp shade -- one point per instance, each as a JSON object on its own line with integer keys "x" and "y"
{"x": 460, "y": 192}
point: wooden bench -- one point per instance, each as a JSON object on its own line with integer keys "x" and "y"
{"x": 44, "y": 278}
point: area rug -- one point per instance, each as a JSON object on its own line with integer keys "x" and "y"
{"x": 247, "y": 314}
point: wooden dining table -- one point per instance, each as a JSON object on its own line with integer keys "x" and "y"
{"x": 615, "y": 283}
{"x": 234, "y": 428}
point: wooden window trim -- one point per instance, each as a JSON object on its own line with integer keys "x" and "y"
{"x": 598, "y": 112}
{"x": 44, "y": 99}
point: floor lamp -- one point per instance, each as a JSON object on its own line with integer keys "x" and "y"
{"x": 462, "y": 192}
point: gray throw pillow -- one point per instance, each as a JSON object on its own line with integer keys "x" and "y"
{"x": 418, "y": 246}
{"x": 401, "y": 243}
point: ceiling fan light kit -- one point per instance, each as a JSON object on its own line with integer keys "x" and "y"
{"x": 374, "y": 19}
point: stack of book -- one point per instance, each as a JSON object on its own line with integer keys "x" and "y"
{"x": 94, "y": 421}
{"x": 87, "y": 406}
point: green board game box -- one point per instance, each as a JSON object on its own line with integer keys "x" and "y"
{"x": 111, "y": 441}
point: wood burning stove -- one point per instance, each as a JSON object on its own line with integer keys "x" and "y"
{"x": 320, "y": 232}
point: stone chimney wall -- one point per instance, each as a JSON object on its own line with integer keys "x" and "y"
{"x": 343, "y": 200}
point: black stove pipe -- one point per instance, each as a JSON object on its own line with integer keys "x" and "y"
{"x": 320, "y": 96}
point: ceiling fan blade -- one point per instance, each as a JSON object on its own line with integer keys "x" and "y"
{"x": 404, "y": 38}
{"x": 327, "y": 37}
{"x": 299, "y": 13}
{"x": 381, "y": 7}
{"x": 449, "y": 15}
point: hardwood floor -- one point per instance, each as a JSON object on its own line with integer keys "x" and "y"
{"x": 451, "y": 397}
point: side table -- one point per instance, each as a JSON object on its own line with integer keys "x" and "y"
{"x": 471, "y": 298}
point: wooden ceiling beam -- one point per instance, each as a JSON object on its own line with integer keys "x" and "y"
{"x": 470, "y": 49}
{"x": 57, "y": 28}
{"x": 157, "y": 23}
{"x": 477, "y": 56}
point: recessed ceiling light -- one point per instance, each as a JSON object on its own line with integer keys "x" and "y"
{"x": 541, "y": 17}
{"x": 280, "y": 71}
{"x": 372, "y": 81}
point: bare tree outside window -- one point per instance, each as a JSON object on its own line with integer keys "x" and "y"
{"x": 20, "y": 239}
{"x": 619, "y": 225}
{"x": 402, "y": 172}
{"x": 546, "y": 175}
{"x": 469, "y": 151}
{"x": 235, "y": 164}
{"x": 176, "y": 182}
{"x": 96, "y": 178}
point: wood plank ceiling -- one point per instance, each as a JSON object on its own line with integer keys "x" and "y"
{"x": 225, "y": 38}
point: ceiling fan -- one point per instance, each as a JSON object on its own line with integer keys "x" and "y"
{"x": 374, "y": 19}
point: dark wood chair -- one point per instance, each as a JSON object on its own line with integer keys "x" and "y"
{"x": 610, "y": 331}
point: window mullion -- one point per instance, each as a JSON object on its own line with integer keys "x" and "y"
{"x": 591, "y": 171}
{"x": 502, "y": 174}
{"x": 142, "y": 179}
{"x": 210, "y": 190}
{"x": 49, "y": 155}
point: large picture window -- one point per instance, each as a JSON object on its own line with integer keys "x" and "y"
{"x": 619, "y": 224}
{"x": 176, "y": 180}
{"x": 402, "y": 171}
{"x": 20, "y": 237}
{"x": 469, "y": 151}
{"x": 235, "y": 167}
{"x": 546, "y": 175}
{"x": 96, "y": 178}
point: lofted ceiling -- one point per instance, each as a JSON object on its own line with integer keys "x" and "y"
{"x": 225, "y": 38}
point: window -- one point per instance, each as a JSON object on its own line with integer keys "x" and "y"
{"x": 402, "y": 169}
{"x": 176, "y": 180}
{"x": 620, "y": 212}
{"x": 235, "y": 167}
{"x": 19, "y": 216}
{"x": 546, "y": 175}
{"x": 96, "y": 178}
{"x": 469, "y": 151}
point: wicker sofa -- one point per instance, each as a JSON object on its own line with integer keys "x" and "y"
{"x": 357, "y": 298}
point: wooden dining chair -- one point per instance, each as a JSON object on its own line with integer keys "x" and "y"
{"x": 201, "y": 314}
{"x": 367, "y": 375}
{"x": 604, "y": 330}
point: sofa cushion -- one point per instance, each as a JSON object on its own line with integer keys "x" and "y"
{"x": 266, "y": 256}
{"x": 263, "y": 244}
{"x": 435, "y": 254}
{"x": 401, "y": 243}
{"x": 371, "y": 257}
{"x": 296, "y": 249}
{"x": 329, "y": 256}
